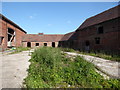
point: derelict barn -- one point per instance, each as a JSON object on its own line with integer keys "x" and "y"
{"x": 40, "y": 39}
{"x": 98, "y": 33}
{"x": 10, "y": 33}
{"x": 65, "y": 41}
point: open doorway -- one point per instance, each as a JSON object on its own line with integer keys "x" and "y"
{"x": 53, "y": 44}
{"x": 87, "y": 46}
{"x": 87, "y": 43}
{"x": 28, "y": 44}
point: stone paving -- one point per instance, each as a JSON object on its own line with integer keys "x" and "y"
{"x": 111, "y": 68}
{"x": 14, "y": 69}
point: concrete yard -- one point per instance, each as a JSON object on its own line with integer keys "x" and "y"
{"x": 14, "y": 69}
{"x": 111, "y": 68}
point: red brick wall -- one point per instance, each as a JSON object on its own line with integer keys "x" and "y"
{"x": 33, "y": 44}
{"x": 109, "y": 40}
{"x": 3, "y": 29}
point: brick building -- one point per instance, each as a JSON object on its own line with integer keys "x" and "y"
{"x": 40, "y": 39}
{"x": 66, "y": 41}
{"x": 98, "y": 33}
{"x": 10, "y": 33}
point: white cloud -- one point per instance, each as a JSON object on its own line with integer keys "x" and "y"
{"x": 69, "y": 21}
{"x": 31, "y": 17}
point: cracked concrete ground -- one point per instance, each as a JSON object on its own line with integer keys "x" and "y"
{"x": 111, "y": 68}
{"x": 14, "y": 69}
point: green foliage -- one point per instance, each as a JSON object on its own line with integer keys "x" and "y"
{"x": 100, "y": 54}
{"x": 67, "y": 49}
{"x": 51, "y": 69}
{"x": 103, "y": 55}
{"x": 20, "y": 49}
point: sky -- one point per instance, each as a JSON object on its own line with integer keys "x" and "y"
{"x": 52, "y": 17}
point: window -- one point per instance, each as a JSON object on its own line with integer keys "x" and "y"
{"x": 11, "y": 34}
{"x": 97, "y": 40}
{"x": 100, "y": 30}
{"x": 37, "y": 44}
{"x": 1, "y": 39}
{"x": 45, "y": 44}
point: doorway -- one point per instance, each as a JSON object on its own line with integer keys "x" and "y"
{"x": 87, "y": 43}
{"x": 28, "y": 44}
{"x": 53, "y": 44}
{"x": 87, "y": 46}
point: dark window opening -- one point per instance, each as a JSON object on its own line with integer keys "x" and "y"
{"x": 100, "y": 30}
{"x": 97, "y": 40}
{"x": 45, "y": 44}
{"x": 28, "y": 44}
{"x": 53, "y": 44}
{"x": 1, "y": 39}
{"x": 10, "y": 31}
{"x": 37, "y": 44}
{"x": 9, "y": 37}
{"x": 11, "y": 34}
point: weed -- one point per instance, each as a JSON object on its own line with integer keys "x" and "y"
{"x": 51, "y": 69}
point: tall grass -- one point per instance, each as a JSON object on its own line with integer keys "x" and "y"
{"x": 51, "y": 69}
{"x": 97, "y": 54}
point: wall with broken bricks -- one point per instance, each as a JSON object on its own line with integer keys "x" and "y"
{"x": 109, "y": 39}
{"x": 18, "y": 38}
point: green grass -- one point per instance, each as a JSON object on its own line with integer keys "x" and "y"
{"x": 67, "y": 49}
{"x": 100, "y": 55}
{"x": 20, "y": 49}
{"x": 103, "y": 55}
{"x": 51, "y": 69}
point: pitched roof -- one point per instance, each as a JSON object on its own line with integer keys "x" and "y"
{"x": 42, "y": 38}
{"x": 11, "y": 22}
{"x": 104, "y": 16}
{"x": 67, "y": 36}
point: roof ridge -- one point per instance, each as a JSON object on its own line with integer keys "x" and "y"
{"x": 11, "y": 22}
{"x": 103, "y": 12}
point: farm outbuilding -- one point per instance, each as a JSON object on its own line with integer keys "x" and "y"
{"x": 10, "y": 33}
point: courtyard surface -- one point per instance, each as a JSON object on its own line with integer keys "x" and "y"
{"x": 111, "y": 68}
{"x": 14, "y": 69}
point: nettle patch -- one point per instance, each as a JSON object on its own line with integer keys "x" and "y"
{"x": 51, "y": 68}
